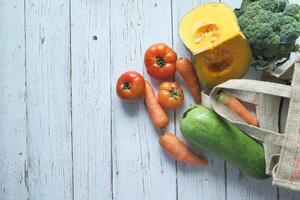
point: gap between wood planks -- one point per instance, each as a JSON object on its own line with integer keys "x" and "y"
{"x": 71, "y": 96}
{"x": 110, "y": 97}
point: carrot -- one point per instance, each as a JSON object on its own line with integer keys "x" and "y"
{"x": 186, "y": 70}
{"x": 237, "y": 107}
{"x": 157, "y": 114}
{"x": 179, "y": 151}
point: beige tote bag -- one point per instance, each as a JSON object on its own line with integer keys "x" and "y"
{"x": 282, "y": 150}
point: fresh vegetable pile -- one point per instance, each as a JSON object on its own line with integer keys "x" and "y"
{"x": 161, "y": 63}
{"x": 221, "y": 52}
{"x": 271, "y": 27}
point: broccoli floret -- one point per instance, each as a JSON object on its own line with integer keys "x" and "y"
{"x": 287, "y": 28}
{"x": 271, "y": 42}
{"x": 244, "y": 5}
{"x": 273, "y": 5}
{"x": 279, "y": 20}
{"x": 263, "y": 17}
{"x": 271, "y": 27}
{"x": 253, "y": 8}
{"x": 292, "y": 10}
{"x": 244, "y": 22}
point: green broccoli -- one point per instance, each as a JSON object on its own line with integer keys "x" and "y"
{"x": 273, "y": 5}
{"x": 271, "y": 27}
{"x": 292, "y": 10}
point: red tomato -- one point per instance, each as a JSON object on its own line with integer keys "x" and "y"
{"x": 170, "y": 95}
{"x": 160, "y": 61}
{"x": 130, "y": 85}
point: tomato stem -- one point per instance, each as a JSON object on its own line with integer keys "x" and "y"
{"x": 174, "y": 93}
{"x": 160, "y": 61}
{"x": 126, "y": 85}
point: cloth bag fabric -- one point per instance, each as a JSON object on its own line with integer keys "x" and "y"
{"x": 282, "y": 150}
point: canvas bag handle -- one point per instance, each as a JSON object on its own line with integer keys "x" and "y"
{"x": 253, "y": 87}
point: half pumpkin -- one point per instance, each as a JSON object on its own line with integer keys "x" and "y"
{"x": 211, "y": 32}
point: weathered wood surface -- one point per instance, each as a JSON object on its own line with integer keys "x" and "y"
{"x": 13, "y": 153}
{"x": 49, "y": 166}
{"x": 64, "y": 134}
{"x": 91, "y": 99}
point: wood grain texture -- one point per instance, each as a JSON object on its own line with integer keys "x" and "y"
{"x": 91, "y": 102}
{"x": 12, "y": 101}
{"x": 140, "y": 169}
{"x": 49, "y": 162}
{"x": 193, "y": 182}
{"x": 241, "y": 186}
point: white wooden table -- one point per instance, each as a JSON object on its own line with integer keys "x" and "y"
{"x": 64, "y": 134}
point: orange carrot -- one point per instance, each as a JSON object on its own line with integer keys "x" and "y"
{"x": 237, "y": 107}
{"x": 186, "y": 70}
{"x": 157, "y": 114}
{"x": 179, "y": 151}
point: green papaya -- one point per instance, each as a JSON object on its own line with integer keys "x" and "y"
{"x": 204, "y": 129}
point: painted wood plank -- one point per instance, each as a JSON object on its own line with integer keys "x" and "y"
{"x": 91, "y": 104}
{"x": 12, "y": 101}
{"x": 140, "y": 168}
{"x": 193, "y": 182}
{"x": 241, "y": 186}
{"x": 49, "y": 163}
